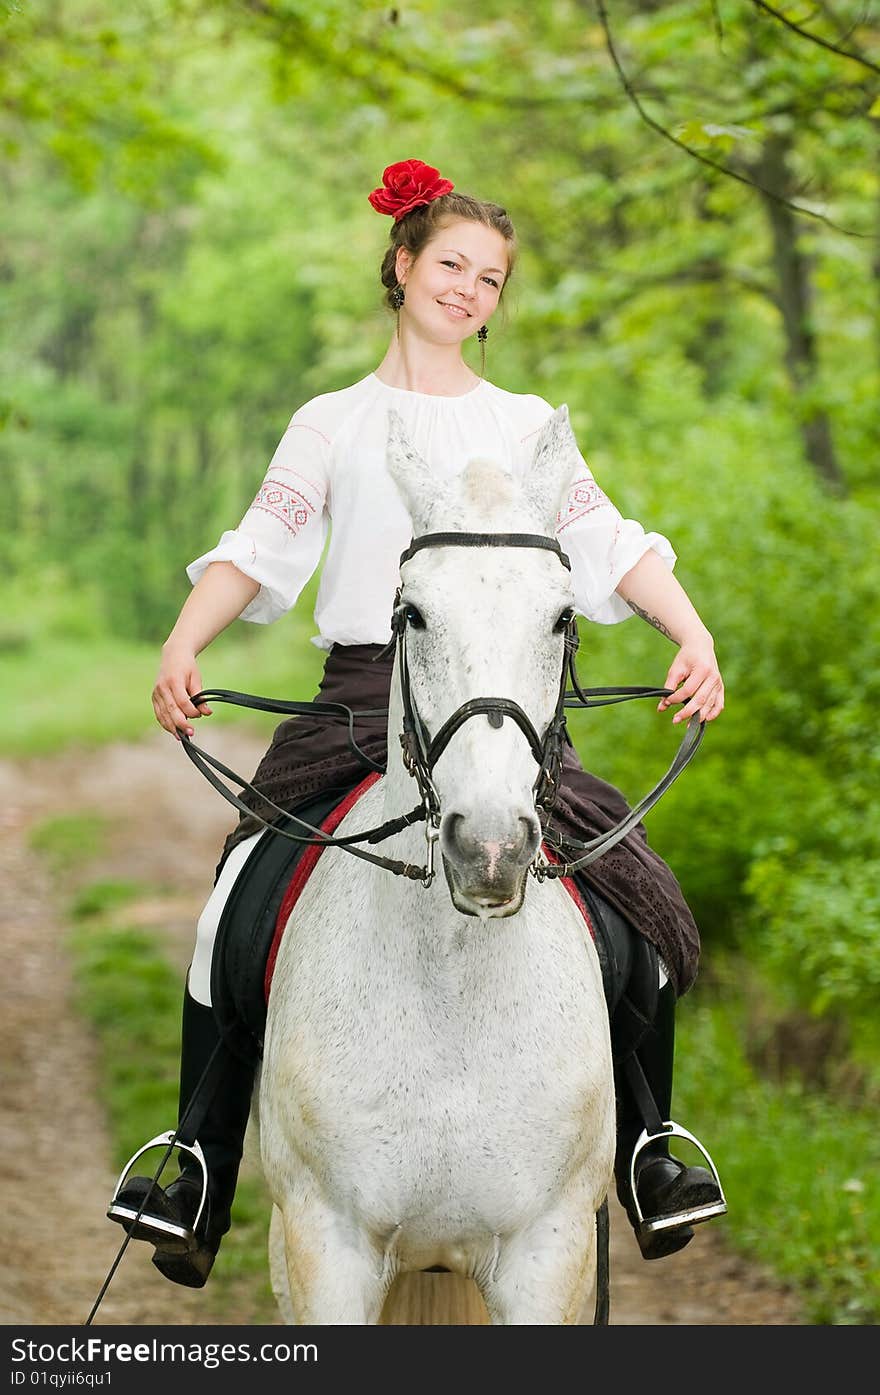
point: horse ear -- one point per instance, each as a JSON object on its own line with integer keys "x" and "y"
{"x": 411, "y": 474}
{"x": 554, "y": 464}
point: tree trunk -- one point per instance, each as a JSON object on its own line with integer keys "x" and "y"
{"x": 875, "y": 269}
{"x": 795, "y": 296}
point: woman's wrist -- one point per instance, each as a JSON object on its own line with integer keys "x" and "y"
{"x": 176, "y": 646}
{"x": 696, "y": 633}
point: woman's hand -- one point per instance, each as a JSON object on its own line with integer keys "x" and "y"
{"x": 696, "y": 680}
{"x": 178, "y": 679}
{"x": 650, "y": 589}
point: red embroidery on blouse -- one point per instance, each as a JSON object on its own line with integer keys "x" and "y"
{"x": 304, "y": 426}
{"x": 284, "y": 503}
{"x": 529, "y": 434}
{"x": 613, "y": 546}
{"x": 583, "y": 497}
{"x": 298, "y": 474}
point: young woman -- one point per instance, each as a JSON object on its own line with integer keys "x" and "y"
{"x": 445, "y": 271}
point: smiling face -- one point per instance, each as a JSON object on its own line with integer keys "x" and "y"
{"x": 453, "y": 286}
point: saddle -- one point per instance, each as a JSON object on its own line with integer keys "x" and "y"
{"x": 630, "y": 972}
{"x": 260, "y": 902}
{"x": 248, "y": 925}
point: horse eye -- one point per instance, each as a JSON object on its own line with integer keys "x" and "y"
{"x": 564, "y": 620}
{"x": 414, "y": 617}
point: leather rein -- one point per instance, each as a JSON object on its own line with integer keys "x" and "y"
{"x": 420, "y": 754}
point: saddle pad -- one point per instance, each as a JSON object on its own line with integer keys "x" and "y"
{"x": 247, "y": 928}
{"x": 303, "y": 870}
{"x": 573, "y": 890}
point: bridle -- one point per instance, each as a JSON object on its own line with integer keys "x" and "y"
{"x": 420, "y": 755}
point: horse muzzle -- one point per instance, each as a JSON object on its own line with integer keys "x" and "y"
{"x": 487, "y": 875}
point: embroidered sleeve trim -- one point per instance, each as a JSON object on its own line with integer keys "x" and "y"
{"x": 584, "y": 497}
{"x": 280, "y": 500}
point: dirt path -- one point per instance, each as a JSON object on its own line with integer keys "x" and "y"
{"x": 166, "y": 827}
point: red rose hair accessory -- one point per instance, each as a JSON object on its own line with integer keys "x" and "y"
{"x": 406, "y": 185}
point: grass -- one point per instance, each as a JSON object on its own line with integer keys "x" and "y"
{"x": 68, "y": 840}
{"x": 101, "y": 898}
{"x": 799, "y": 1167}
{"x": 57, "y": 692}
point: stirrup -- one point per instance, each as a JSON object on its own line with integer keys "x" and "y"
{"x": 692, "y": 1215}
{"x": 126, "y": 1213}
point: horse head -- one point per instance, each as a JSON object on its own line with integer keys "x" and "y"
{"x": 482, "y": 623}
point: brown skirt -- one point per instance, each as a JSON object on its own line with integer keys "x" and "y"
{"x": 311, "y": 756}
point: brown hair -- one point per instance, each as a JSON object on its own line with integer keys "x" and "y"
{"x": 416, "y": 229}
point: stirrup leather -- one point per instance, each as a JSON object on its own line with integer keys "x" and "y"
{"x": 693, "y": 1214}
{"x": 118, "y": 1211}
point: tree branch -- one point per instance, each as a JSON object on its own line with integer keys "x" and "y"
{"x": 814, "y": 38}
{"x": 698, "y": 273}
{"x": 705, "y": 159}
{"x": 444, "y": 81}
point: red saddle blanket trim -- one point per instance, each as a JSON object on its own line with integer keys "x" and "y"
{"x": 306, "y": 866}
{"x": 571, "y": 887}
{"x": 308, "y": 861}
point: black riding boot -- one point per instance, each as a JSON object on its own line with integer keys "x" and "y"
{"x": 671, "y": 1196}
{"x": 185, "y": 1252}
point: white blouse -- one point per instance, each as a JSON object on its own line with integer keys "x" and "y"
{"x": 330, "y": 468}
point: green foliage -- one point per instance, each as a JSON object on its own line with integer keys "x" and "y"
{"x": 189, "y": 234}
{"x": 817, "y": 930}
{"x": 796, "y": 1166}
{"x": 772, "y": 829}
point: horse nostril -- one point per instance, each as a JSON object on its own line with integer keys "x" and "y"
{"x": 450, "y": 833}
{"x": 531, "y": 835}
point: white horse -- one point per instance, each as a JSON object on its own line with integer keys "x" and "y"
{"x": 436, "y": 1087}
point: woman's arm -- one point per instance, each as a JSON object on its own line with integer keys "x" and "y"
{"x": 650, "y": 589}
{"x": 218, "y": 598}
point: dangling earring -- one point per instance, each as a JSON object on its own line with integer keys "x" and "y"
{"x": 483, "y": 335}
{"x": 398, "y": 296}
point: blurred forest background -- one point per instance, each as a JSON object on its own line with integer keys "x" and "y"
{"x": 187, "y": 254}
